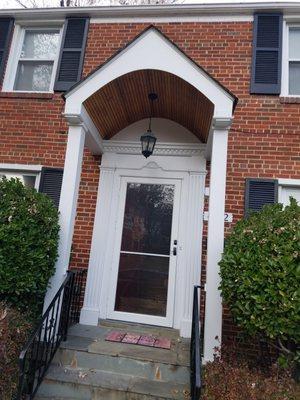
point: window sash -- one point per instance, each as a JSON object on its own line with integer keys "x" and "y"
{"x": 15, "y": 57}
{"x": 290, "y": 60}
{"x": 22, "y": 175}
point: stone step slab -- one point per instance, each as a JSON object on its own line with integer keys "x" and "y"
{"x": 89, "y": 384}
{"x": 118, "y": 364}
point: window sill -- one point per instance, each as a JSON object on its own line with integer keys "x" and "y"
{"x": 26, "y": 95}
{"x": 289, "y": 99}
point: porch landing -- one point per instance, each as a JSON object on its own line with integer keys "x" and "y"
{"x": 87, "y": 367}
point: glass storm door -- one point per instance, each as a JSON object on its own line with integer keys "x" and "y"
{"x": 146, "y": 251}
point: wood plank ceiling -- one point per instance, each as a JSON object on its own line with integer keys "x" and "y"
{"x": 125, "y": 100}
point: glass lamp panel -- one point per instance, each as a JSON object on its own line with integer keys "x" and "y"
{"x": 294, "y": 43}
{"x": 294, "y": 78}
{"x": 148, "y": 218}
{"x": 33, "y": 76}
{"x": 40, "y": 45}
{"x": 142, "y": 284}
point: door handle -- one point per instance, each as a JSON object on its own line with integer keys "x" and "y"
{"x": 174, "y": 251}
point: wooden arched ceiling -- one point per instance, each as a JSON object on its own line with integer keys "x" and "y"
{"x": 125, "y": 100}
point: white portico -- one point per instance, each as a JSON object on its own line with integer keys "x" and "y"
{"x": 143, "y": 269}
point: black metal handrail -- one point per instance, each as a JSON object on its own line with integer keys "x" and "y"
{"x": 36, "y": 356}
{"x": 195, "y": 349}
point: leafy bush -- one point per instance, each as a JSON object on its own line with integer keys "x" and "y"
{"x": 260, "y": 272}
{"x": 14, "y": 329}
{"x": 230, "y": 378}
{"x": 28, "y": 244}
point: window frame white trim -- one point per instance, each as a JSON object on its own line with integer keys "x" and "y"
{"x": 285, "y": 182}
{"x": 15, "y": 53}
{"x": 285, "y": 58}
{"x": 28, "y": 169}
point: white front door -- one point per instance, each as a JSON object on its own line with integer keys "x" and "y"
{"x": 144, "y": 262}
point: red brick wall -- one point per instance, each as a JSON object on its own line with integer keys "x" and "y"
{"x": 264, "y": 140}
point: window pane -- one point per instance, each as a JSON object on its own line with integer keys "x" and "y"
{"x": 142, "y": 284}
{"x": 40, "y": 44}
{"x": 148, "y": 218}
{"x": 294, "y": 43}
{"x": 294, "y": 77}
{"x": 27, "y": 180}
{"x": 33, "y": 76}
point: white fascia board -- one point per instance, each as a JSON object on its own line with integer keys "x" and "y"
{"x": 21, "y": 167}
{"x": 233, "y": 7}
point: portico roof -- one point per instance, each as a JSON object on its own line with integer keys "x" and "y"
{"x": 115, "y": 94}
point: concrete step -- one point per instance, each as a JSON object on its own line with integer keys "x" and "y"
{"x": 88, "y": 384}
{"x": 116, "y": 363}
{"x": 87, "y": 367}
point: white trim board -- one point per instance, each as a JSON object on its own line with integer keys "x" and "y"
{"x": 221, "y": 7}
{"x": 288, "y": 182}
{"x": 21, "y": 167}
{"x": 173, "y": 18}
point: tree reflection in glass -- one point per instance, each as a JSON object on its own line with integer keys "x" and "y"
{"x": 144, "y": 260}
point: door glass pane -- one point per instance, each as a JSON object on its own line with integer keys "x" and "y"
{"x": 294, "y": 77}
{"x": 148, "y": 218}
{"x": 34, "y": 76}
{"x": 142, "y": 284}
{"x": 294, "y": 43}
{"x": 40, "y": 45}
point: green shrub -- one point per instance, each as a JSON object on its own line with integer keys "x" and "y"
{"x": 260, "y": 272}
{"x": 14, "y": 329}
{"x": 28, "y": 244}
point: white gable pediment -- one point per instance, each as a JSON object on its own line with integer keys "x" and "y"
{"x": 151, "y": 50}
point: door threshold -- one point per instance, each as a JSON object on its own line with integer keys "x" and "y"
{"x": 133, "y": 326}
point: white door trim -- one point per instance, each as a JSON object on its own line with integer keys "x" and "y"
{"x": 141, "y": 318}
{"x": 190, "y": 170}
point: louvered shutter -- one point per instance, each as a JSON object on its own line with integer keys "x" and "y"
{"x": 267, "y": 53}
{"x": 259, "y": 192}
{"x": 72, "y": 53}
{"x": 50, "y": 183}
{"x": 6, "y": 28}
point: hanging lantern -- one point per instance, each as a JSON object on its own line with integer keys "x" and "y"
{"x": 148, "y": 139}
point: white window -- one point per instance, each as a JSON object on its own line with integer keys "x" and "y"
{"x": 28, "y": 175}
{"x": 291, "y": 60}
{"x": 288, "y": 188}
{"x": 33, "y": 63}
{"x": 294, "y": 60}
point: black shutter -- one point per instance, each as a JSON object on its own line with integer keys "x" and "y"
{"x": 266, "y": 55}
{"x": 71, "y": 53}
{"x": 50, "y": 183}
{"x": 6, "y": 28}
{"x": 259, "y": 192}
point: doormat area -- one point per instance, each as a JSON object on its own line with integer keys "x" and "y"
{"x": 140, "y": 340}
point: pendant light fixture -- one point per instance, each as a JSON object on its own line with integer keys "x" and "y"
{"x": 148, "y": 139}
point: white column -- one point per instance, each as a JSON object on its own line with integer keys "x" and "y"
{"x": 215, "y": 240}
{"x": 67, "y": 205}
{"x": 95, "y": 279}
{"x": 193, "y": 240}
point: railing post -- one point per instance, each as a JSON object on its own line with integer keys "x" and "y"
{"x": 41, "y": 347}
{"x": 195, "y": 356}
